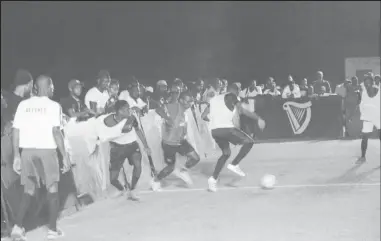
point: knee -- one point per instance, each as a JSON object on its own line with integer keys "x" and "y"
{"x": 195, "y": 157}
{"x": 226, "y": 152}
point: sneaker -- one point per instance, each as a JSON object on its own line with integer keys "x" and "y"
{"x": 236, "y": 170}
{"x": 155, "y": 186}
{"x": 361, "y": 160}
{"x": 212, "y": 184}
{"x": 184, "y": 175}
{"x": 52, "y": 235}
{"x": 18, "y": 234}
{"x": 132, "y": 195}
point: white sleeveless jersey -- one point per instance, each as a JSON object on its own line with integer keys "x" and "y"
{"x": 370, "y": 107}
{"x": 220, "y": 116}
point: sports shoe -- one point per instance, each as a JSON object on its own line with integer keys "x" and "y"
{"x": 236, "y": 170}
{"x": 361, "y": 160}
{"x": 156, "y": 186}
{"x": 132, "y": 195}
{"x": 52, "y": 235}
{"x": 184, "y": 175}
{"x": 18, "y": 234}
{"x": 212, "y": 184}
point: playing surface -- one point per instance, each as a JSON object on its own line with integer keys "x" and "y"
{"x": 321, "y": 196}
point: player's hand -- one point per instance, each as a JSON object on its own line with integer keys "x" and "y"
{"x": 17, "y": 164}
{"x": 261, "y": 124}
{"x": 148, "y": 150}
{"x": 66, "y": 165}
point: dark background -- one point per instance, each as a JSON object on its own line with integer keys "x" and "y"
{"x": 163, "y": 40}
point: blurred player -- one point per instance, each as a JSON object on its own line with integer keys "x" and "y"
{"x": 370, "y": 113}
{"x": 223, "y": 109}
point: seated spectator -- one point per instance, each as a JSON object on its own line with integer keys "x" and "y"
{"x": 97, "y": 97}
{"x": 252, "y": 90}
{"x": 291, "y": 90}
{"x": 321, "y": 82}
{"x": 322, "y": 91}
{"x": 113, "y": 91}
{"x": 72, "y": 105}
{"x": 305, "y": 89}
{"x": 268, "y": 84}
{"x": 273, "y": 91}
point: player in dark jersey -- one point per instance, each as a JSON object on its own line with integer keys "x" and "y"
{"x": 224, "y": 111}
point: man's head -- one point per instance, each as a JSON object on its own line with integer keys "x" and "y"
{"x": 113, "y": 88}
{"x": 233, "y": 88}
{"x": 254, "y": 83}
{"x": 319, "y": 75}
{"x": 273, "y": 86}
{"x": 162, "y": 86}
{"x": 186, "y": 99}
{"x": 200, "y": 85}
{"x": 368, "y": 81}
{"x": 290, "y": 78}
{"x": 122, "y": 108}
{"x": 269, "y": 81}
{"x": 224, "y": 83}
{"x": 322, "y": 90}
{"x": 44, "y": 86}
{"x": 135, "y": 91}
{"x": 103, "y": 80}
{"x": 23, "y": 80}
{"x": 304, "y": 82}
{"x": 355, "y": 80}
{"x": 377, "y": 80}
{"x": 75, "y": 87}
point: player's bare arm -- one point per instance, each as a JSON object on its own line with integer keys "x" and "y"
{"x": 205, "y": 114}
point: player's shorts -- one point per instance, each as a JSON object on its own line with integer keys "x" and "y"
{"x": 170, "y": 151}
{"x": 119, "y": 153}
{"x": 39, "y": 166}
{"x": 225, "y": 136}
{"x": 368, "y": 126}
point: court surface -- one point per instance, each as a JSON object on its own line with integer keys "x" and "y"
{"x": 321, "y": 196}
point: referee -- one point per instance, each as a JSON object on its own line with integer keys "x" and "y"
{"x": 36, "y": 130}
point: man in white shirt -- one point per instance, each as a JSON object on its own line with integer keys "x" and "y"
{"x": 291, "y": 90}
{"x": 273, "y": 91}
{"x": 97, "y": 97}
{"x": 134, "y": 100}
{"x": 37, "y": 132}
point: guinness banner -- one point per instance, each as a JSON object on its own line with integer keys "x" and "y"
{"x": 304, "y": 118}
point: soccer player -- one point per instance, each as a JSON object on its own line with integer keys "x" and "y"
{"x": 370, "y": 113}
{"x": 174, "y": 132}
{"x": 121, "y": 129}
{"x": 222, "y": 112}
{"x": 36, "y": 129}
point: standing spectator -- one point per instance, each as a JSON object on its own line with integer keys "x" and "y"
{"x": 305, "y": 90}
{"x": 291, "y": 90}
{"x": 36, "y": 130}
{"x": 224, "y": 86}
{"x": 134, "y": 100}
{"x": 248, "y": 95}
{"x": 321, "y": 82}
{"x": 97, "y": 97}
{"x": 113, "y": 91}
{"x": 377, "y": 79}
{"x": 355, "y": 83}
{"x": 72, "y": 105}
{"x": 160, "y": 95}
{"x": 273, "y": 91}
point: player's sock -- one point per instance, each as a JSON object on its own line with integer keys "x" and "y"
{"x": 24, "y": 206}
{"x": 245, "y": 149}
{"x": 364, "y": 145}
{"x": 54, "y": 209}
{"x": 114, "y": 180}
{"x": 220, "y": 164}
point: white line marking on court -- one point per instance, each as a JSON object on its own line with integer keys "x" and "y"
{"x": 224, "y": 188}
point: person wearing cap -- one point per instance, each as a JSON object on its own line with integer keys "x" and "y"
{"x": 72, "y": 105}
{"x": 97, "y": 97}
{"x": 291, "y": 90}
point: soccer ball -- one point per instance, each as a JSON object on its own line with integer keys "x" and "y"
{"x": 268, "y": 181}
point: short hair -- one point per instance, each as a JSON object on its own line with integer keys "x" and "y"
{"x": 369, "y": 77}
{"x": 233, "y": 87}
{"x": 119, "y": 104}
{"x": 185, "y": 94}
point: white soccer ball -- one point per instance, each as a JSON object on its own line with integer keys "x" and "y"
{"x": 268, "y": 181}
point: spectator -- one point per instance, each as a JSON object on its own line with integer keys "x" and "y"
{"x": 97, "y": 97}
{"x": 322, "y": 91}
{"x": 72, "y": 105}
{"x": 213, "y": 89}
{"x": 305, "y": 90}
{"x": 377, "y": 79}
{"x": 174, "y": 94}
{"x": 248, "y": 95}
{"x": 321, "y": 82}
{"x": 160, "y": 95}
{"x": 268, "y": 84}
{"x": 23, "y": 84}
{"x": 291, "y": 90}
{"x": 273, "y": 91}
{"x": 355, "y": 83}
{"x": 134, "y": 100}
{"x": 113, "y": 91}
{"x": 224, "y": 86}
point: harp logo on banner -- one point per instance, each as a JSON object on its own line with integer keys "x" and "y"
{"x": 299, "y": 115}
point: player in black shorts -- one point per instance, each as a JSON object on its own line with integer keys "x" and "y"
{"x": 223, "y": 112}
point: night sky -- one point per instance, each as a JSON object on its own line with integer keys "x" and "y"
{"x": 163, "y": 40}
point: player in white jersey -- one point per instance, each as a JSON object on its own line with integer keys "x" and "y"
{"x": 222, "y": 111}
{"x": 370, "y": 113}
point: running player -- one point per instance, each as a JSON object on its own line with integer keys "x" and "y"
{"x": 121, "y": 129}
{"x": 174, "y": 132}
{"x": 223, "y": 109}
{"x": 370, "y": 113}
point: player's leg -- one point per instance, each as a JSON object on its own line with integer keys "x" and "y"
{"x": 367, "y": 130}
{"x": 193, "y": 159}
{"x": 30, "y": 185}
{"x": 220, "y": 137}
{"x": 170, "y": 161}
{"x": 117, "y": 157}
{"x": 135, "y": 159}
